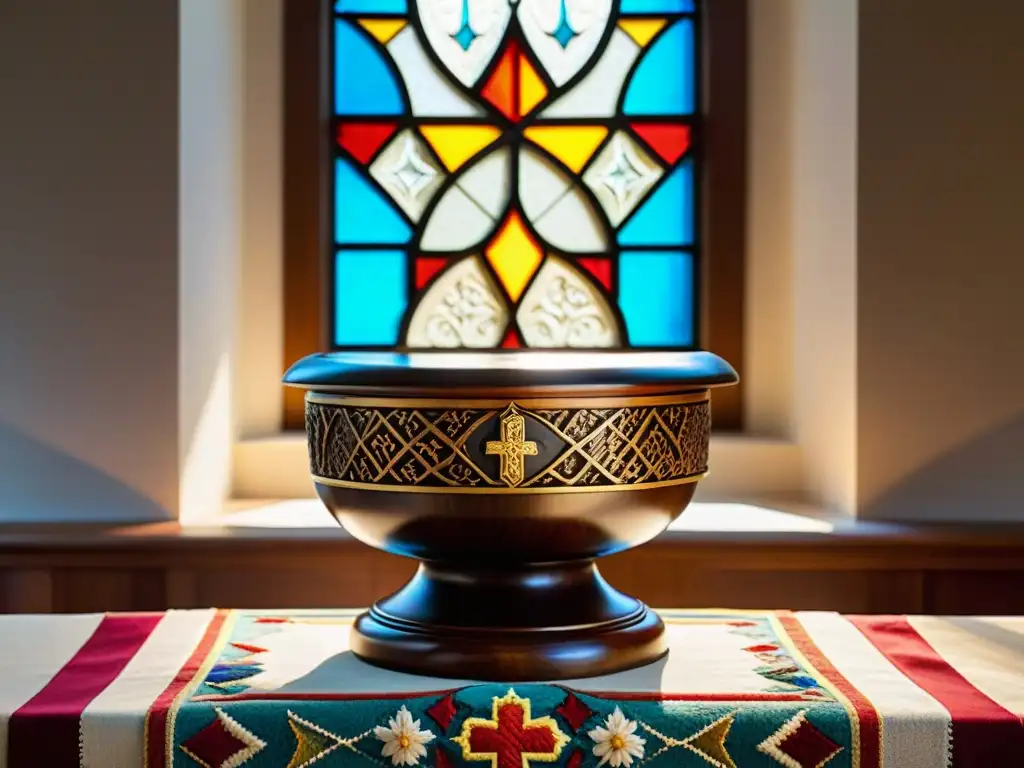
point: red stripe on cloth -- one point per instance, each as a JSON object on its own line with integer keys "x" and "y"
{"x": 869, "y": 723}
{"x": 621, "y": 695}
{"x": 156, "y": 717}
{"x": 984, "y": 733}
{"x": 273, "y": 696}
{"x": 44, "y": 731}
{"x": 657, "y": 696}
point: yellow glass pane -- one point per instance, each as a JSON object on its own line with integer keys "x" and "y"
{"x": 455, "y": 144}
{"x": 573, "y": 145}
{"x": 642, "y": 30}
{"x": 515, "y": 255}
{"x": 382, "y": 29}
{"x": 531, "y": 88}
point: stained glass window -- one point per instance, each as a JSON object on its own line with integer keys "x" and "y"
{"x": 515, "y": 173}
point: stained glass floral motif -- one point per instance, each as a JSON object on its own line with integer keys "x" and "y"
{"x": 514, "y": 173}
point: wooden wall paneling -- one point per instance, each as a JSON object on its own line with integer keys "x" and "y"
{"x": 148, "y": 589}
{"x": 181, "y": 587}
{"x": 26, "y": 590}
{"x": 980, "y": 574}
{"x": 900, "y": 591}
{"x": 978, "y": 592}
{"x": 390, "y": 578}
{"x": 350, "y": 580}
{"x": 850, "y": 591}
{"x": 89, "y": 590}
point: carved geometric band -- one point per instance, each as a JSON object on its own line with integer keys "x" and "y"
{"x": 528, "y": 446}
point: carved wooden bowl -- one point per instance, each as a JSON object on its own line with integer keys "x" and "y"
{"x": 506, "y": 475}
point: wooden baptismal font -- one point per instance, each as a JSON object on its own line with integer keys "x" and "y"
{"x": 507, "y": 475}
{"x": 516, "y": 203}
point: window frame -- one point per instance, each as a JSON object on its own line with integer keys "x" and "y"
{"x": 722, "y": 174}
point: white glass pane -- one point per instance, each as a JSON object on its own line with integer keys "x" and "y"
{"x": 563, "y": 33}
{"x": 462, "y": 308}
{"x": 464, "y": 34}
{"x": 564, "y": 309}
{"x": 456, "y": 223}
{"x": 540, "y": 184}
{"x": 572, "y": 224}
{"x": 487, "y": 182}
{"x": 431, "y": 93}
{"x": 597, "y": 94}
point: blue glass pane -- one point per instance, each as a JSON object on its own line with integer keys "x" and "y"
{"x": 362, "y": 213}
{"x": 372, "y": 6}
{"x": 369, "y": 297}
{"x": 664, "y": 80}
{"x": 656, "y": 297}
{"x": 666, "y": 217}
{"x": 656, "y": 6}
{"x": 363, "y": 83}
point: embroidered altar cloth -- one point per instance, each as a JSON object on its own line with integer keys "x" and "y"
{"x": 737, "y": 690}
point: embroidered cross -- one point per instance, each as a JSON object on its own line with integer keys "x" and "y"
{"x": 513, "y": 447}
{"x": 512, "y": 737}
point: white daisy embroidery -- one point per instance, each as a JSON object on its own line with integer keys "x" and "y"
{"x": 617, "y": 742}
{"x": 403, "y": 739}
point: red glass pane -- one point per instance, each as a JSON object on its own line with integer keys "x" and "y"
{"x": 500, "y": 88}
{"x": 426, "y": 268}
{"x": 669, "y": 141}
{"x": 362, "y": 140}
{"x": 599, "y": 268}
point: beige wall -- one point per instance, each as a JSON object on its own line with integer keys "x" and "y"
{"x": 88, "y": 259}
{"x": 823, "y": 210}
{"x": 210, "y": 209}
{"x": 260, "y": 317}
{"x": 941, "y": 260}
{"x": 768, "y": 329}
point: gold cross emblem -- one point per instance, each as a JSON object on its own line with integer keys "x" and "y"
{"x": 512, "y": 447}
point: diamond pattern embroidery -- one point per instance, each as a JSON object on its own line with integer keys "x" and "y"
{"x": 444, "y": 711}
{"x": 798, "y": 744}
{"x": 312, "y": 743}
{"x": 708, "y": 743}
{"x": 574, "y": 711}
{"x": 224, "y": 743}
